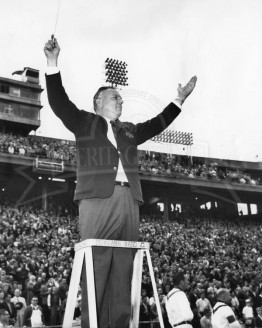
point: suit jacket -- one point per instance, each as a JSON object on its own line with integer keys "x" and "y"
{"x": 27, "y": 315}
{"x": 258, "y": 322}
{"x": 3, "y": 305}
{"x": 97, "y": 158}
{"x": 11, "y": 310}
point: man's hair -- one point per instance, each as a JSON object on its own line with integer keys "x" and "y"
{"x": 221, "y": 293}
{"x": 97, "y": 94}
{"x": 178, "y": 277}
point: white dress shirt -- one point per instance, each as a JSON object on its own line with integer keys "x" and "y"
{"x": 17, "y": 299}
{"x": 219, "y": 317}
{"x": 121, "y": 176}
{"x": 178, "y": 308}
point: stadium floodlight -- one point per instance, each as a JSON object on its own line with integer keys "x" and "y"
{"x": 116, "y": 72}
{"x": 58, "y": 180}
{"x": 177, "y": 137}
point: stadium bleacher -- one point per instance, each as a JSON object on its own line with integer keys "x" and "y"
{"x": 37, "y": 246}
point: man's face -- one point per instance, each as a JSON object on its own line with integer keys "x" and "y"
{"x": 5, "y": 318}
{"x": 8, "y": 298}
{"x": 160, "y": 291}
{"x": 259, "y": 311}
{"x": 109, "y": 104}
{"x": 17, "y": 293}
{"x": 34, "y": 301}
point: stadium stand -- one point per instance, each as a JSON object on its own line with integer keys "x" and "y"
{"x": 152, "y": 164}
{"x": 213, "y": 252}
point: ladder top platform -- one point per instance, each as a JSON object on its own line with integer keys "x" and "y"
{"x": 112, "y": 243}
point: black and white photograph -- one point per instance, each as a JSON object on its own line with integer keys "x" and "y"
{"x": 131, "y": 163}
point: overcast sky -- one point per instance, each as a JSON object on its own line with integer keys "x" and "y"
{"x": 164, "y": 42}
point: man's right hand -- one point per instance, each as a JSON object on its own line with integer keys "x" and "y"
{"x": 51, "y": 51}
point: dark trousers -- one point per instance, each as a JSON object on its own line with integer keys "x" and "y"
{"x": 46, "y": 314}
{"x": 116, "y": 217}
{"x": 54, "y": 315}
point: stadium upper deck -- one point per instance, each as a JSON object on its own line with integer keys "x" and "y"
{"x": 33, "y": 164}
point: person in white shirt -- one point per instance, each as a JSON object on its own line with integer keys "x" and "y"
{"x": 162, "y": 301}
{"x": 20, "y": 305}
{"x": 33, "y": 316}
{"x": 202, "y": 303}
{"x": 205, "y": 321}
{"x": 223, "y": 316}
{"x": 248, "y": 314}
{"x": 177, "y": 305}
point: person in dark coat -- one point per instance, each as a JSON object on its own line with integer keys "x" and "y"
{"x": 108, "y": 189}
{"x": 33, "y": 315}
{"x": 258, "y": 318}
{"x": 11, "y": 309}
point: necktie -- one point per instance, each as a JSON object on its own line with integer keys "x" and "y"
{"x": 113, "y": 123}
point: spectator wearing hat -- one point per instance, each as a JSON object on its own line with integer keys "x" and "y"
{"x": 33, "y": 316}
{"x": 20, "y": 305}
{"x": 205, "y": 321}
{"x": 223, "y": 316}
{"x": 248, "y": 314}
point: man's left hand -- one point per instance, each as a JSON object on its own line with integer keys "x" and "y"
{"x": 184, "y": 92}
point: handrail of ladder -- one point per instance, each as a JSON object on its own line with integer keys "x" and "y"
{"x": 112, "y": 243}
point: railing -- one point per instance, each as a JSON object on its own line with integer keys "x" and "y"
{"x": 77, "y": 324}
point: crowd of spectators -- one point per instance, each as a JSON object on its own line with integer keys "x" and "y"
{"x": 173, "y": 166}
{"x": 153, "y": 164}
{"x": 37, "y": 251}
{"x": 212, "y": 253}
{"x": 36, "y": 256}
{"x": 36, "y": 146}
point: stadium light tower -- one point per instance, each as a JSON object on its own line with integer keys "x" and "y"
{"x": 116, "y": 72}
{"x": 176, "y": 137}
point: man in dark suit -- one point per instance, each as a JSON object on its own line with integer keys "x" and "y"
{"x": 108, "y": 188}
{"x": 33, "y": 315}
{"x": 11, "y": 308}
{"x": 258, "y": 319}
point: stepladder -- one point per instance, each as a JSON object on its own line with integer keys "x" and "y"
{"x": 83, "y": 250}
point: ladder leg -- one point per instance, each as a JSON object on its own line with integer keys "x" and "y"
{"x": 136, "y": 289}
{"x": 159, "y": 312}
{"x": 91, "y": 293}
{"x": 73, "y": 288}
